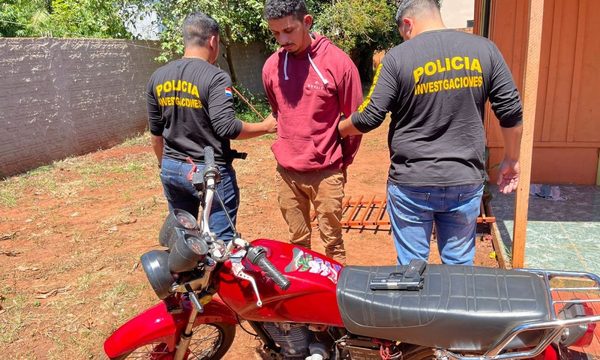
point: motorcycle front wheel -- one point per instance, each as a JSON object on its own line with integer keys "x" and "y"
{"x": 209, "y": 342}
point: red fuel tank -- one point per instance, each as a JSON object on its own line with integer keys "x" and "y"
{"x": 311, "y": 297}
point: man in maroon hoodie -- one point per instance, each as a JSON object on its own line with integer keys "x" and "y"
{"x": 310, "y": 84}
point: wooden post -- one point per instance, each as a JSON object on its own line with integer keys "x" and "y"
{"x": 530, "y": 86}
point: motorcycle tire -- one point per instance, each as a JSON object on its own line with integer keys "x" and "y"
{"x": 198, "y": 349}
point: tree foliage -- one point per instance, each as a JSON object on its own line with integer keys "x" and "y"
{"x": 360, "y": 27}
{"x": 357, "y": 26}
{"x": 239, "y": 20}
{"x": 63, "y": 18}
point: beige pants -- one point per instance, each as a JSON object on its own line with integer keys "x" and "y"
{"x": 325, "y": 190}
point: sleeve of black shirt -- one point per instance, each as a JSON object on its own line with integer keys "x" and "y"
{"x": 220, "y": 107}
{"x": 155, "y": 120}
{"x": 380, "y": 99}
{"x": 504, "y": 96}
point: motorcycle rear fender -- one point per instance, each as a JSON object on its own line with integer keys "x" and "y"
{"x": 157, "y": 325}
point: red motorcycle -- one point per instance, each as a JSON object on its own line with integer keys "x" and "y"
{"x": 303, "y": 305}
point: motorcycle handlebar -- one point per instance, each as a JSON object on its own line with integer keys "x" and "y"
{"x": 211, "y": 173}
{"x": 257, "y": 256}
{"x": 209, "y": 156}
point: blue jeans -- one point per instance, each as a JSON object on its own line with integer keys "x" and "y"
{"x": 181, "y": 194}
{"x": 453, "y": 209}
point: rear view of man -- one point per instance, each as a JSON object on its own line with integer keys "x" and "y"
{"x": 190, "y": 106}
{"x": 436, "y": 84}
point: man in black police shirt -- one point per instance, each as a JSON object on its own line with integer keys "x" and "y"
{"x": 190, "y": 106}
{"x": 436, "y": 84}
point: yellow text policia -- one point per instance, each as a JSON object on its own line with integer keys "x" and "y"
{"x": 448, "y": 64}
{"x": 179, "y": 86}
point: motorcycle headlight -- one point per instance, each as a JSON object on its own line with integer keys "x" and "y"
{"x": 156, "y": 266}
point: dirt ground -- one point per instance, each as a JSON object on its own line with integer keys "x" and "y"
{"x": 71, "y": 239}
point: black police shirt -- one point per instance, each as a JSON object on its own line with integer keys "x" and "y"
{"x": 190, "y": 104}
{"x": 436, "y": 86}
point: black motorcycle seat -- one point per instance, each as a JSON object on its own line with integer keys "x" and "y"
{"x": 461, "y": 308}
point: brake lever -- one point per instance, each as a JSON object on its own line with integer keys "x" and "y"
{"x": 238, "y": 271}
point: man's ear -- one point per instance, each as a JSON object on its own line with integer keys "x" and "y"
{"x": 308, "y": 21}
{"x": 407, "y": 26}
{"x": 213, "y": 41}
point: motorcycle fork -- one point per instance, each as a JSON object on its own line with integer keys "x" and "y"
{"x": 186, "y": 335}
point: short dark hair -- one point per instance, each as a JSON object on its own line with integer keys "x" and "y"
{"x": 277, "y": 9}
{"x": 198, "y": 28}
{"x": 411, "y": 7}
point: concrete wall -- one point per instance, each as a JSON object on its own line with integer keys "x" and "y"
{"x": 63, "y": 97}
{"x": 248, "y": 61}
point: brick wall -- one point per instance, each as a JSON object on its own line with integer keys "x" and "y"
{"x": 63, "y": 97}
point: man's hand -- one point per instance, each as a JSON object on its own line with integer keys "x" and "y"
{"x": 157, "y": 145}
{"x": 346, "y": 128}
{"x": 251, "y": 130}
{"x": 270, "y": 124}
{"x": 508, "y": 177}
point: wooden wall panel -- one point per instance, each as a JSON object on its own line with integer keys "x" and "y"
{"x": 567, "y": 125}
{"x": 478, "y": 14}
{"x": 508, "y": 29}
{"x": 560, "y": 47}
{"x": 584, "y": 119}
{"x": 557, "y": 165}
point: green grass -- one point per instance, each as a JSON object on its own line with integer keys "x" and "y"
{"x": 12, "y": 189}
{"x": 70, "y": 177}
{"x": 244, "y": 112}
{"x": 14, "y": 318}
{"x": 8, "y": 198}
{"x": 140, "y": 140}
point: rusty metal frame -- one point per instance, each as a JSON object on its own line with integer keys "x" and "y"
{"x": 370, "y": 213}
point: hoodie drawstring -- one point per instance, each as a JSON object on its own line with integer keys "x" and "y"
{"x": 312, "y": 63}
{"x": 285, "y": 66}
{"x": 325, "y": 82}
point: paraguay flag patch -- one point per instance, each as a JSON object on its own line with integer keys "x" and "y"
{"x": 228, "y": 92}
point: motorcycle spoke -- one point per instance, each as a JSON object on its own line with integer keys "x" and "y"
{"x": 204, "y": 342}
{"x": 208, "y": 341}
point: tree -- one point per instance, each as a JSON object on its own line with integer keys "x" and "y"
{"x": 63, "y": 18}
{"x": 241, "y": 21}
{"x": 360, "y": 27}
{"x": 17, "y": 16}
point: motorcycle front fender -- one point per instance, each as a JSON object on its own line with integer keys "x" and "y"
{"x": 157, "y": 325}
